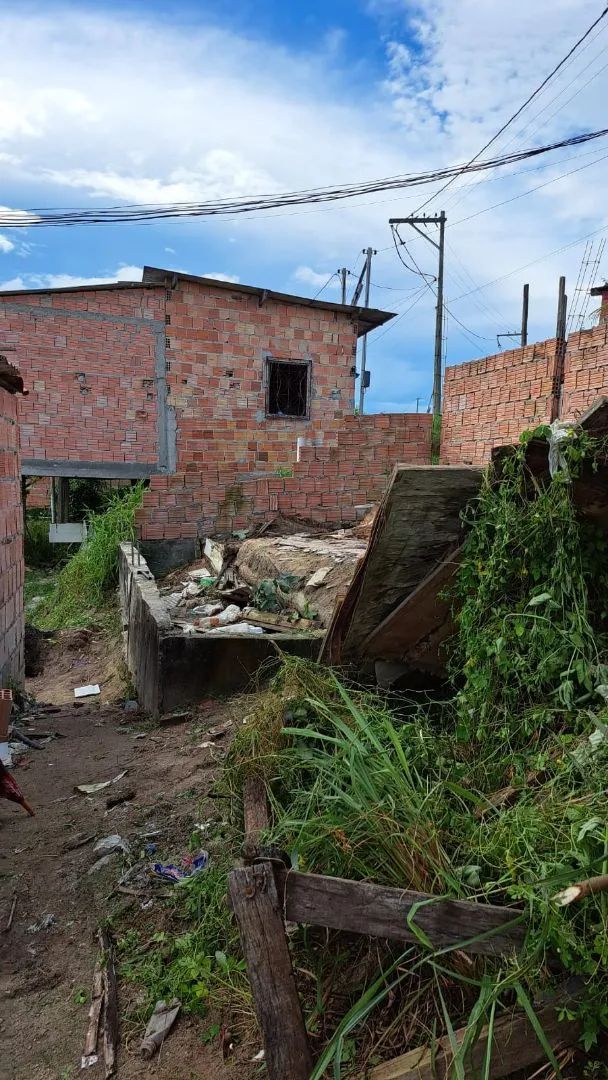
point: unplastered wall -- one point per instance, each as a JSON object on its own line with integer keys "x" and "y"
{"x": 11, "y": 543}
{"x": 94, "y": 363}
{"x": 490, "y": 402}
{"x": 217, "y": 346}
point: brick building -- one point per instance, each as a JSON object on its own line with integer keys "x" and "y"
{"x": 11, "y": 529}
{"x": 235, "y": 402}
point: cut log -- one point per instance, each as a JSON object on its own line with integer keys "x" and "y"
{"x": 258, "y": 912}
{"x": 360, "y": 907}
{"x": 515, "y": 1047}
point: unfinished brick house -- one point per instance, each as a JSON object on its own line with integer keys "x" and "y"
{"x": 491, "y": 401}
{"x": 236, "y": 402}
{"x": 11, "y": 529}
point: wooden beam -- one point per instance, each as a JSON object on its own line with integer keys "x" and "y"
{"x": 360, "y": 907}
{"x": 255, "y": 809}
{"x": 514, "y": 1047}
{"x": 259, "y": 915}
{"x": 416, "y": 628}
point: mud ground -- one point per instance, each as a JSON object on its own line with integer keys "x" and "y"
{"x": 44, "y": 861}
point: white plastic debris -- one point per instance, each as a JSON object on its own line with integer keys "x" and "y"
{"x": 206, "y": 609}
{"x": 190, "y": 589}
{"x": 111, "y": 843}
{"x": 88, "y": 1060}
{"x": 86, "y": 691}
{"x": 238, "y": 628}
{"x": 173, "y": 599}
{"x": 200, "y": 574}
{"x": 228, "y": 615}
{"x": 560, "y": 431}
{"x": 92, "y": 789}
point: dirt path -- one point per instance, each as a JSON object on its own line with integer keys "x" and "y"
{"x": 44, "y": 972}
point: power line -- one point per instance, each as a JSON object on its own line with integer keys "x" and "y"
{"x": 150, "y": 212}
{"x": 519, "y": 111}
{"x": 323, "y": 287}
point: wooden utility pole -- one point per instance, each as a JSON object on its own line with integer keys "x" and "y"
{"x": 343, "y": 274}
{"x": 368, "y": 252}
{"x": 524, "y": 316}
{"x": 560, "y": 350}
{"x": 415, "y": 222}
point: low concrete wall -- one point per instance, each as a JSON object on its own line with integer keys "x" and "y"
{"x": 171, "y": 669}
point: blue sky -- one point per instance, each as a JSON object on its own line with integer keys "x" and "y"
{"x": 106, "y": 103}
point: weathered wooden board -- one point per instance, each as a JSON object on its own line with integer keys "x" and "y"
{"x": 417, "y": 627}
{"x": 255, "y": 808}
{"x": 255, "y": 903}
{"x": 417, "y": 524}
{"x": 515, "y": 1047}
{"x": 361, "y": 907}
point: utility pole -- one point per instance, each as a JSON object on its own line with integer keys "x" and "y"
{"x": 366, "y": 274}
{"x": 415, "y": 222}
{"x": 343, "y": 274}
{"x": 524, "y": 316}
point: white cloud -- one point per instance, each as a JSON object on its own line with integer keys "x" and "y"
{"x": 233, "y": 116}
{"x": 219, "y": 276}
{"x": 6, "y": 245}
{"x": 67, "y": 281}
{"x": 170, "y": 250}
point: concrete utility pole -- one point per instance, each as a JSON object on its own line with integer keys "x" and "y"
{"x": 439, "y": 220}
{"x": 524, "y": 316}
{"x": 368, "y": 252}
{"x": 343, "y": 274}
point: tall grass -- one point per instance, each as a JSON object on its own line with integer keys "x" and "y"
{"x": 83, "y": 585}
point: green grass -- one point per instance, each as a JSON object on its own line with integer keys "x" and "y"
{"x": 402, "y": 793}
{"x": 83, "y": 587}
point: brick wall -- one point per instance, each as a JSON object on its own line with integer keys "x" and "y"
{"x": 218, "y": 343}
{"x": 11, "y": 543}
{"x": 488, "y": 402}
{"x": 89, "y": 359}
{"x": 585, "y": 371}
{"x": 100, "y": 362}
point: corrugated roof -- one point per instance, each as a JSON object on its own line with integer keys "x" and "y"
{"x": 367, "y": 318}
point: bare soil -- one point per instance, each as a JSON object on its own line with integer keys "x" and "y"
{"x": 44, "y": 863}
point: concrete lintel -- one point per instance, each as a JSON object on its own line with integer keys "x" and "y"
{"x": 102, "y": 470}
{"x": 89, "y": 316}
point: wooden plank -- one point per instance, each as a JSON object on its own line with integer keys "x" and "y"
{"x": 417, "y": 524}
{"x": 258, "y": 912}
{"x": 515, "y": 1047}
{"x": 110, "y": 1016}
{"x": 415, "y": 629}
{"x": 255, "y": 808}
{"x": 360, "y": 907}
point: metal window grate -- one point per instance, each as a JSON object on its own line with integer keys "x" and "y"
{"x": 287, "y": 388}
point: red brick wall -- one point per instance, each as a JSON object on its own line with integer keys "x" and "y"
{"x": 88, "y": 358}
{"x": 218, "y": 344}
{"x": 11, "y": 543}
{"x": 585, "y": 371}
{"x": 491, "y": 401}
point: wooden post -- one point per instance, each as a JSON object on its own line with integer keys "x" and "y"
{"x": 256, "y": 905}
{"x": 255, "y": 809}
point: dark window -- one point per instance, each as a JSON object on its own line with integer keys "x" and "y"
{"x": 287, "y": 388}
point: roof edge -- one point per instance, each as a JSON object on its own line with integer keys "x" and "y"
{"x": 367, "y": 318}
{"x": 81, "y": 288}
